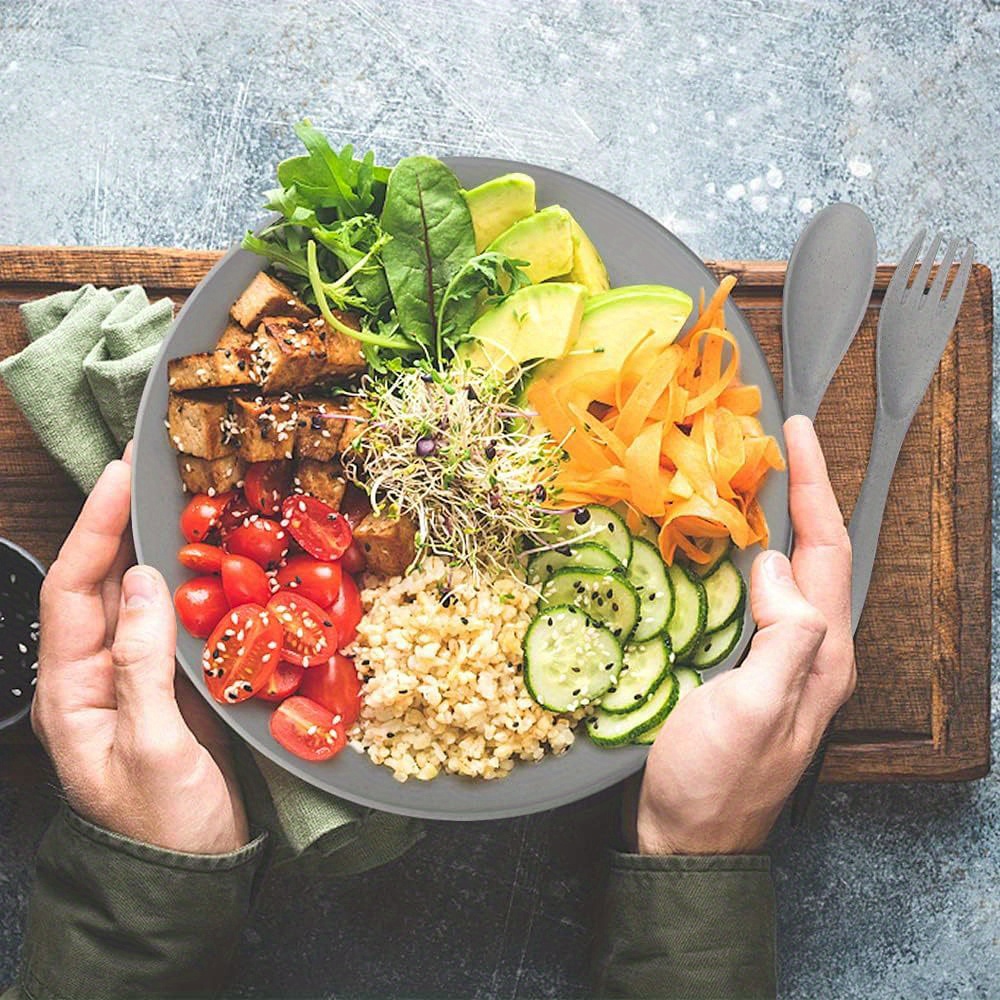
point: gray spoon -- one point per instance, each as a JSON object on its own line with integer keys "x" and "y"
{"x": 828, "y": 285}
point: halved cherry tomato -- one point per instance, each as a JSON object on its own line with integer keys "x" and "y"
{"x": 355, "y": 505}
{"x": 308, "y": 730}
{"x": 201, "y": 516}
{"x": 267, "y": 484}
{"x": 310, "y": 635}
{"x": 236, "y": 513}
{"x": 353, "y": 560}
{"x": 334, "y": 685}
{"x": 346, "y": 611}
{"x": 283, "y": 682}
{"x": 200, "y": 603}
{"x": 317, "y": 527}
{"x": 244, "y": 581}
{"x": 312, "y": 578}
{"x": 200, "y": 557}
{"x": 263, "y": 541}
{"x": 241, "y": 654}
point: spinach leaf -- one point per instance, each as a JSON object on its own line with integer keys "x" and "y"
{"x": 432, "y": 237}
{"x": 490, "y": 272}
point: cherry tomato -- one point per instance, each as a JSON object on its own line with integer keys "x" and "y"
{"x": 354, "y": 505}
{"x": 283, "y": 682}
{"x": 308, "y": 730}
{"x": 336, "y": 686}
{"x": 200, "y": 603}
{"x": 353, "y": 560}
{"x": 241, "y": 654}
{"x": 201, "y": 516}
{"x": 312, "y": 578}
{"x": 310, "y": 635}
{"x": 236, "y": 513}
{"x": 317, "y": 527}
{"x": 267, "y": 484}
{"x": 346, "y": 611}
{"x": 244, "y": 581}
{"x": 263, "y": 541}
{"x": 200, "y": 557}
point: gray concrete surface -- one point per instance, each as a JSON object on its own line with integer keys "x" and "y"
{"x": 731, "y": 121}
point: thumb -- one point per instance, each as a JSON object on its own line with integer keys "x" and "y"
{"x": 143, "y": 652}
{"x": 790, "y": 630}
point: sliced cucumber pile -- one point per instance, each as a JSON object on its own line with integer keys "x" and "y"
{"x": 619, "y": 631}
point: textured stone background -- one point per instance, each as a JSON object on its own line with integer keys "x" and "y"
{"x": 731, "y": 121}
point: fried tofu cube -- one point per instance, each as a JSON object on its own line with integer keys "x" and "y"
{"x": 199, "y": 424}
{"x": 266, "y": 296}
{"x": 388, "y": 543}
{"x": 321, "y": 424}
{"x": 234, "y": 338}
{"x": 225, "y": 369}
{"x": 322, "y": 480}
{"x": 288, "y": 354}
{"x": 266, "y": 427}
{"x": 343, "y": 353}
{"x": 354, "y": 418}
{"x": 211, "y": 475}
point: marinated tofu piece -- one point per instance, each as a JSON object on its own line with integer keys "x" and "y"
{"x": 199, "y": 424}
{"x": 354, "y": 418}
{"x": 388, "y": 543}
{"x": 343, "y": 353}
{"x": 321, "y": 424}
{"x": 322, "y": 480}
{"x": 225, "y": 369}
{"x": 234, "y": 338}
{"x": 266, "y": 427}
{"x": 211, "y": 475}
{"x": 266, "y": 296}
{"x": 289, "y": 355}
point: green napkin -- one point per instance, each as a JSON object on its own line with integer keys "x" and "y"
{"x": 78, "y": 382}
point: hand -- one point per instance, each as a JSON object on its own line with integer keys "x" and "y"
{"x": 734, "y": 749}
{"x": 133, "y": 756}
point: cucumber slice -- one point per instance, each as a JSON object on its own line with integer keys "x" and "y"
{"x": 606, "y": 596}
{"x": 687, "y": 623}
{"x": 599, "y": 524}
{"x": 648, "y": 574}
{"x": 714, "y": 647}
{"x": 569, "y": 659}
{"x": 610, "y": 730}
{"x": 644, "y": 665}
{"x": 718, "y": 549}
{"x": 726, "y": 593}
{"x": 582, "y": 554}
{"x": 687, "y": 681}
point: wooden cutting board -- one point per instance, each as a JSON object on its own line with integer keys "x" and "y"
{"x": 921, "y": 710}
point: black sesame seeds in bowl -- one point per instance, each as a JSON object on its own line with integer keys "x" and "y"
{"x": 20, "y": 585}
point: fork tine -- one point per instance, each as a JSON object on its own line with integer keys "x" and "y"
{"x": 957, "y": 291}
{"x": 920, "y": 281}
{"x": 933, "y": 297}
{"x": 897, "y": 285}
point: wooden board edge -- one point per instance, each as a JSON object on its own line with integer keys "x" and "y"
{"x": 900, "y": 761}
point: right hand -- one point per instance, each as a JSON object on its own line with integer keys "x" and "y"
{"x": 734, "y": 749}
{"x": 133, "y": 755}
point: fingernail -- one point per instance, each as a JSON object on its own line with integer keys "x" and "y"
{"x": 138, "y": 589}
{"x": 778, "y": 568}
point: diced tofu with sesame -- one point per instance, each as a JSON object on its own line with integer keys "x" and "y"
{"x": 289, "y": 355}
{"x": 322, "y": 480}
{"x": 234, "y": 338}
{"x": 321, "y": 424}
{"x": 266, "y": 296}
{"x": 388, "y": 543}
{"x": 211, "y": 475}
{"x": 266, "y": 427}
{"x": 199, "y": 424}
{"x": 224, "y": 369}
{"x": 343, "y": 353}
{"x": 354, "y": 420}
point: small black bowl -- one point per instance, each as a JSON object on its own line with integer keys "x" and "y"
{"x": 21, "y": 576}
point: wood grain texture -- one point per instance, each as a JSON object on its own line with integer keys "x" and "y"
{"x": 922, "y": 706}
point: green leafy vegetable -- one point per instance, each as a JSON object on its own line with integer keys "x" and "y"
{"x": 432, "y": 238}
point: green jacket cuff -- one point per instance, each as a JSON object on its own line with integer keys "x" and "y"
{"x": 686, "y": 926}
{"x": 111, "y": 917}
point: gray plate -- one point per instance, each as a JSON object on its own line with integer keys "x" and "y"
{"x": 637, "y": 250}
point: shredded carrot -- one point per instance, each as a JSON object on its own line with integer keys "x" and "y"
{"x": 670, "y": 435}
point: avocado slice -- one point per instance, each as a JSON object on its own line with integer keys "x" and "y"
{"x": 537, "y": 321}
{"x": 544, "y": 240}
{"x": 588, "y": 268}
{"x": 497, "y": 204}
{"x": 613, "y": 323}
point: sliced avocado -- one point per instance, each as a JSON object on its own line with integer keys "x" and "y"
{"x": 497, "y": 204}
{"x": 538, "y": 321}
{"x": 588, "y": 268}
{"x": 614, "y": 322}
{"x": 544, "y": 240}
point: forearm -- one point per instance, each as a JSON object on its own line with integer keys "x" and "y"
{"x": 110, "y": 917}
{"x": 691, "y": 927}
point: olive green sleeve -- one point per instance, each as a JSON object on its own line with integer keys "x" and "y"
{"x": 691, "y": 927}
{"x": 110, "y": 917}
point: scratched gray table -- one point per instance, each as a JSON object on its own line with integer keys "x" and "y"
{"x": 125, "y": 123}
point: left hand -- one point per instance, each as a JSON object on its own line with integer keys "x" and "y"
{"x": 134, "y": 755}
